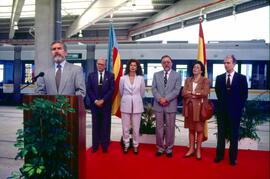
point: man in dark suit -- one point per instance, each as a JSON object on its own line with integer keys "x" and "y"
{"x": 232, "y": 92}
{"x": 100, "y": 89}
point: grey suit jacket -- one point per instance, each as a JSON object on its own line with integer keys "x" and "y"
{"x": 72, "y": 81}
{"x": 170, "y": 92}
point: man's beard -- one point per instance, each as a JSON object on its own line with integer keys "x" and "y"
{"x": 167, "y": 68}
{"x": 58, "y": 59}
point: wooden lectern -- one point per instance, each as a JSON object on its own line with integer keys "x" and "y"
{"x": 76, "y": 125}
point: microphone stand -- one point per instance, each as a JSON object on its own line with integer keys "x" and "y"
{"x": 34, "y": 79}
{"x": 27, "y": 85}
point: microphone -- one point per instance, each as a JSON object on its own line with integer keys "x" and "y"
{"x": 34, "y": 79}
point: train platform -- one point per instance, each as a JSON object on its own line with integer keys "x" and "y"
{"x": 11, "y": 120}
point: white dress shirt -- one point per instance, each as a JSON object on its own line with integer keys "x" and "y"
{"x": 62, "y": 66}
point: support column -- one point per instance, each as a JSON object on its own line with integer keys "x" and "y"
{"x": 89, "y": 68}
{"x": 90, "y": 59}
{"x": 17, "y": 74}
{"x": 44, "y": 34}
{"x": 58, "y": 20}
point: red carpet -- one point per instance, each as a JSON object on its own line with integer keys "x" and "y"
{"x": 145, "y": 165}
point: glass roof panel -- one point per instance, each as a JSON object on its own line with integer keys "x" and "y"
{"x": 72, "y": 12}
{"x": 5, "y": 9}
{"x": 69, "y": 7}
{"x": 26, "y": 2}
{"x": 5, "y": 15}
{"x": 77, "y": 5}
{"x": 76, "y": 1}
{"x": 28, "y": 14}
{"x": 27, "y": 8}
{"x": 6, "y": 2}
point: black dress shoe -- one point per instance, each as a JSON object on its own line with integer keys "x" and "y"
{"x": 94, "y": 150}
{"x": 169, "y": 155}
{"x": 159, "y": 153}
{"x": 105, "y": 150}
{"x": 135, "y": 150}
{"x": 217, "y": 160}
{"x": 233, "y": 163}
{"x": 189, "y": 155}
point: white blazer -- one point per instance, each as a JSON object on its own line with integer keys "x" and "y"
{"x": 131, "y": 95}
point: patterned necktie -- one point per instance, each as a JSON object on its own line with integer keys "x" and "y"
{"x": 58, "y": 76}
{"x": 228, "y": 83}
{"x": 165, "y": 78}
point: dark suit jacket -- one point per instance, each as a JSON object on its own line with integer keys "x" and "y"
{"x": 231, "y": 101}
{"x": 107, "y": 91}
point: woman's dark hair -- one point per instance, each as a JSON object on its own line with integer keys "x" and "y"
{"x": 139, "y": 68}
{"x": 202, "y": 67}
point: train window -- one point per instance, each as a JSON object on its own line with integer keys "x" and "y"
{"x": 246, "y": 69}
{"x": 28, "y": 72}
{"x": 182, "y": 70}
{"x": 219, "y": 69}
{"x": 125, "y": 66}
{"x": 151, "y": 69}
{"x": 259, "y": 76}
{"x": 1, "y": 73}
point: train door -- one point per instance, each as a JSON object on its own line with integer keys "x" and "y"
{"x": 6, "y": 81}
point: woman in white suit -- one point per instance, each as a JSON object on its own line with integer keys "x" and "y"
{"x": 132, "y": 91}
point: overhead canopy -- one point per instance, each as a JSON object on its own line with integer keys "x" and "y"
{"x": 132, "y": 19}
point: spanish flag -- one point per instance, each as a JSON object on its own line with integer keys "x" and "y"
{"x": 114, "y": 65}
{"x": 202, "y": 58}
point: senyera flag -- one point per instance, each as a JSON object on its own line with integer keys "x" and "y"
{"x": 114, "y": 65}
{"x": 202, "y": 57}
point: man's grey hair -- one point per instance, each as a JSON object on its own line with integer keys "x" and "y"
{"x": 59, "y": 42}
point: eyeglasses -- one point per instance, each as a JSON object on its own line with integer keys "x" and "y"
{"x": 166, "y": 62}
{"x": 57, "y": 48}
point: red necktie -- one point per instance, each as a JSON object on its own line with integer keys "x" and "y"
{"x": 228, "y": 83}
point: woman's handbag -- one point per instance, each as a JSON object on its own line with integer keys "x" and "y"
{"x": 207, "y": 109}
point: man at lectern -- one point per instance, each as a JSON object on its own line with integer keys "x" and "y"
{"x": 62, "y": 78}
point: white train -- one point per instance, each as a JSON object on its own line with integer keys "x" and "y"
{"x": 17, "y": 63}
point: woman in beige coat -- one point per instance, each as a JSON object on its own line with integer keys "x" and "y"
{"x": 196, "y": 90}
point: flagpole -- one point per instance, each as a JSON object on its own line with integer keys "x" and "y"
{"x": 202, "y": 57}
{"x": 115, "y": 66}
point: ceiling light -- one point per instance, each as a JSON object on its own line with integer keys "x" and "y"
{"x": 15, "y": 26}
{"x": 80, "y": 34}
